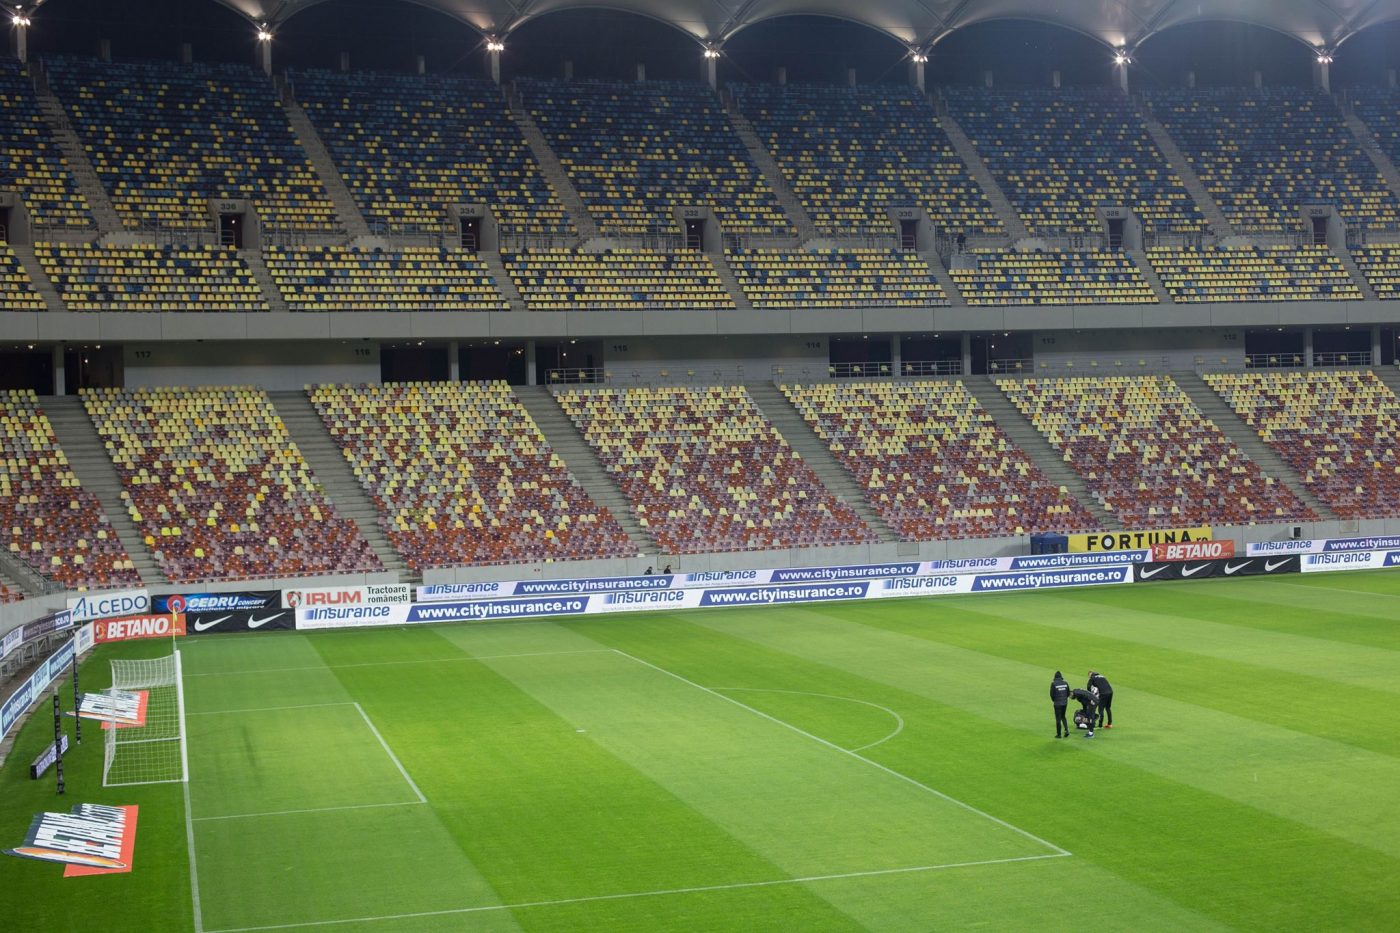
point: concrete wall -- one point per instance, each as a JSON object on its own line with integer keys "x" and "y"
{"x": 1169, "y": 348}
{"x": 274, "y": 366}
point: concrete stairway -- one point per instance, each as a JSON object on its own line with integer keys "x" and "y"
{"x": 94, "y": 468}
{"x": 263, "y": 276}
{"x": 582, "y": 462}
{"x": 945, "y": 279}
{"x": 1023, "y": 434}
{"x": 1176, "y": 159}
{"x": 817, "y": 455}
{"x": 553, "y": 170}
{"x": 42, "y": 283}
{"x": 334, "y": 473}
{"x": 1390, "y": 375}
{"x": 1247, "y": 439}
{"x": 1374, "y": 152}
{"x": 103, "y": 213}
{"x": 1006, "y": 213}
{"x": 731, "y": 283}
{"x": 345, "y": 207}
{"x": 504, "y": 283}
{"x": 1357, "y": 276}
{"x": 791, "y": 204}
{"x": 1139, "y": 257}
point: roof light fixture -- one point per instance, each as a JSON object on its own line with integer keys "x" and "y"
{"x": 1324, "y": 57}
{"x": 1121, "y": 57}
{"x": 264, "y": 34}
{"x": 494, "y": 45}
{"x": 711, "y": 52}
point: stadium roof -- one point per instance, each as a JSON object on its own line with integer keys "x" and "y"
{"x": 1322, "y": 24}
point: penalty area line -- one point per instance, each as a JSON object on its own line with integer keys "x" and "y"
{"x": 392, "y": 757}
{"x": 358, "y": 806}
{"x": 845, "y": 751}
{"x": 631, "y": 895}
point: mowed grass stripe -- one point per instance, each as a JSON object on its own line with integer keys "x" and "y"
{"x": 315, "y": 841}
{"x": 541, "y": 810}
{"x": 1311, "y": 607}
{"x": 1284, "y": 772}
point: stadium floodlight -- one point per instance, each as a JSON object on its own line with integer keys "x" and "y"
{"x": 919, "y": 58}
{"x": 264, "y": 34}
{"x": 1324, "y": 57}
{"x": 19, "y": 19}
{"x": 1121, "y": 57}
{"x": 495, "y": 45}
{"x": 711, "y": 52}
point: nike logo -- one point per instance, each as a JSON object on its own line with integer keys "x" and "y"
{"x": 1192, "y": 571}
{"x": 258, "y": 623}
{"x": 1231, "y": 568}
{"x": 200, "y": 626}
{"x": 1145, "y": 574}
{"x": 1270, "y": 566}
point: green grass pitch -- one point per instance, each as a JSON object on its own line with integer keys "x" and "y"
{"x": 879, "y": 766}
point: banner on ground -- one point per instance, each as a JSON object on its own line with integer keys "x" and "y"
{"x": 1193, "y": 550}
{"x": 106, "y": 604}
{"x": 91, "y": 840}
{"x": 256, "y": 620}
{"x": 1349, "y": 560}
{"x": 451, "y": 592}
{"x": 371, "y": 595}
{"x": 117, "y": 708}
{"x": 1324, "y": 545}
{"x": 164, "y": 625}
{"x": 1228, "y": 567}
{"x": 191, "y": 603}
{"x": 1132, "y": 540}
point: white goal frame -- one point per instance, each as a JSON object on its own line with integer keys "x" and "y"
{"x": 168, "y": 767}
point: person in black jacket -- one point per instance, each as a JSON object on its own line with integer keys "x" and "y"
{"x": 1059, "y": 695}
{"x": 1089, "y": 706}
{"x": 1100, "y": 685}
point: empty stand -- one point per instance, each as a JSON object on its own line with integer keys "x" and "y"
{"x": 17, "y": 291}
{"x": 462, "y": 475}
{"x": 616, "y": 280}
{"x": 706, "y": 471}
{"x": 219, "y": 488}
{"x": 1022, "y": 277}
{"x": 1253, "y": 273}
{"x": 166, "y": 138}
{"x": 1380, "y": 264}
{"x": 31, "y": 160}
{"x": 1148, "y": 454}
{"x": 150, "y": 278}
{"x": 638, "y": 151}
{"x": 1338, "y": 429}
{"x": 851, "y": 153}
{"x": 408, "y": 146}
{"x": 1058, "y": 154}
{"x": 933, "y": 463}
{"x": 53, "y": 524}
{"x": 835, "y": 278}
{"x": 1263, "y": 153}
{"x": 337, "y": 278}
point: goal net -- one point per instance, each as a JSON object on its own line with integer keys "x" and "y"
{"x": 147, "y": 745}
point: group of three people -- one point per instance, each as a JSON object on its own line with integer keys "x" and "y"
{"x": 1095, "y": 701}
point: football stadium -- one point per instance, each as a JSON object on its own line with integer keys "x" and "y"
{"x": 699, "y": 465}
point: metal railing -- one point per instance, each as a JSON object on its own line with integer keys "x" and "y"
{"x": 1273, "y": 360}
{"x": 931, "y": 368}
{"x": 1014, "y": 366}
{"x": 578, "y": 376}
{"x": 1347, "y": 358}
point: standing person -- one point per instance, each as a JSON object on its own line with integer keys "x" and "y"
{"x": 1059, "y": 695}
{"x": 1089, "y": 705}
{"x": 1100, "y": 684}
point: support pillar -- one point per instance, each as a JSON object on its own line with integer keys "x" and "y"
{"x": 896, "y": 356}
{"x": 1258, "y": 79}
{"x": 966, "y": 354}
{"x": 265, "y": 56}
{"x": 20, "y": 35}
{"x": 60, "y": 381}
{"x": 421, "y": 64}
{"x": 1375, "y": 345}
{"x": 710, "y": 69}
{"x": 454, "y": 362}
{"x": 1055, "y": 79}
{"x": 781, "y": 76}
{"x": 493, "y": 61}
{"x": 1322, "y": 72}
{"x": 851, "y": 77}
{"x": 1308, "y": 347}
{"x": 531, "y": 376}
{"x": 1191, "y": 79}
{"x": 917, "y": 73}
{"x": 1120, "y": 74}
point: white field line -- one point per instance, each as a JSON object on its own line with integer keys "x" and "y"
{"x": 637, "y": 894}
{"x": 362, "y": 806}
{"x": 1323, "y": 589}
{"x": 194, "y": 869}
{"x": 899, "y": 720}
{"x": 266, "y": 709}
{"x": 452, "y": 660}
{"x": 392, "y": 757}
{"x": 832, "y": 745}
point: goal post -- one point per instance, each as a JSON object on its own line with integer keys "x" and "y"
{"x": 146, "y": 744}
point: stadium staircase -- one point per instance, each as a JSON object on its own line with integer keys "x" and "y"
{"x": 42, "y": 283}
{"x": 940, "y": 273}
{"x": 320, "y": 158}
{"x": 1247, "y": 439}
{"x": 504, "y": 283}
{"x": 1349, "y": 263}
{"x": 1390, "y": 375}
{"x": 328, "y": 464}
{"x": 1367, "y": 141}
{"x": 1207, "y": 205}
{"x": 552, "y": 169}
{"x": 1023, "y": 434}
{"x": 103, "y": 213}
{"x": 788, "y": 422}
{"x": 1139, "y": 258}
{"x": 263, "y": 277}
{"x": 731, "y": 283}
{"x": 566, "y": 441}
{"x": 768, "y": 166}
{"x": 1006, "y": 213}
{"x": 88, "y": 458}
